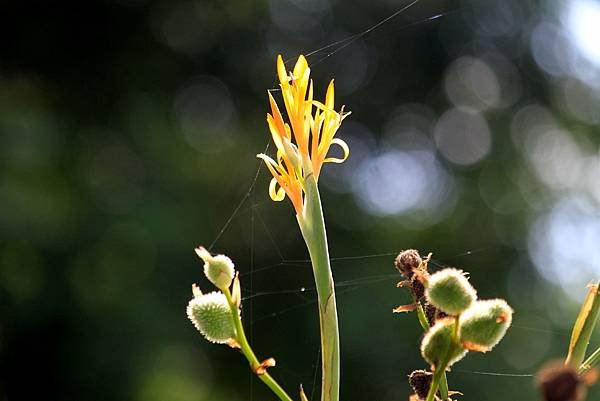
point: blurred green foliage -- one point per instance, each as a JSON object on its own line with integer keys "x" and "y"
{"x": 128, "y": 132}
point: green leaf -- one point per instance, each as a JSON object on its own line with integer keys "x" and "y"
{"x": 583, "y": 327}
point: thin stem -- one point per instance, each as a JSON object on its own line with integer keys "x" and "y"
{"x": 590, "y": 362}
{"x": 444, "y": 387}
{"x": 435, "y": 382}
{"x": 425, "y": 324}
{"x": 312, "y": 226}
{"x": 456, "y": 329}
{"x": 249, "y": 353}
{"x": 422, "y": 317}
{"x": 439, "y": 376}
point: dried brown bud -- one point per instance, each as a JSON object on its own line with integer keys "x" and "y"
{"x": 262, "y": 368}
{"x": 561, "y": 383}
{"x": 420, "y": 381}
{"x": 433, "y": 313}
{"x": 407, "y": 261}
{"x": 417, "y": 287}
{"x": 430, "y": 312}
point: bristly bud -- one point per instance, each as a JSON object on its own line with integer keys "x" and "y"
{"x": 483, "y": 325}
{"x": 438, "y": 345}
{"x": 408, "y": 261}
{"x": 450, "y": 291}
{"x": 211, "y": 315}
{"x": 559, "y": 382}
{"x": 420, "y": 381}
{"x": 218, "y": 269}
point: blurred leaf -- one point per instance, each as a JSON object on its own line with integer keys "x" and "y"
{"x": 584, "y": 325}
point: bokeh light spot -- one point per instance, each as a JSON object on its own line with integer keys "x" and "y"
{"x": 205, "y": 112}
{"x": 563, "y": 244}
{"x": 463, "y": 136}
{"x": 472, "y": 83}
{"x": 397, "y": 182}
{"x": 584, "y": 25}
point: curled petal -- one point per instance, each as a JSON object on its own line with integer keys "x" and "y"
{"x": 271, "y": 164}
{"x": 277, "y": 194}
{"x": 274, "y": 168}
{"x": 344, "y": 147}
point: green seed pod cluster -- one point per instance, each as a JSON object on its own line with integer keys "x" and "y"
{"x": 450, "y": 291}
{"x": 438, "y": 345}
{"x": 211, "y": 315}
{"x": 218, "y": 269}
{"x": 485, "y": 323}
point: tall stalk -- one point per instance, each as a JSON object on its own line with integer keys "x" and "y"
{"x": 312, "y": 226}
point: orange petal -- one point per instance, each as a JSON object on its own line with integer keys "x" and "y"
{"x": 329, "y": 98}
{"x": 405, "y": 308}
{"x": 262, "y": 368}
{"x": 283, "y": 76}
{"x": 300, "y": 68}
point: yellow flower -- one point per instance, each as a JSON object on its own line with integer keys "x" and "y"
{"x": 302, "y": 148}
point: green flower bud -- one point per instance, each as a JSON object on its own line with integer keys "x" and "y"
{"x": 438, "y": 344}
{"x": 218, "y": 269}
{"x": 450, "y": 291}
{"x": 483, "y": 325}
{"x": 211, "y": 315}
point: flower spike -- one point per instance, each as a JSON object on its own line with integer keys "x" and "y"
{"x": 303, "y": 144}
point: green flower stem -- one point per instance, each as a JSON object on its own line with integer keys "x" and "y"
{"x": 435, "y": 382}
{"x": 444, "y": 386}
{"x": 249, "y": 353}
{"x": 422, "y": 317}
{"x": 312, "y": 226}
{"x": 425, "y": 324}
{"x": 440, "y": 371}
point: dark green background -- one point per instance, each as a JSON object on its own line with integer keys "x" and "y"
{"x": 128, "y": 135}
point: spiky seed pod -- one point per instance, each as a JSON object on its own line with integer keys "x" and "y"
{"x": 559, "y": 382}
{"x": 211, "y": 315}
{"x": 450, "y": 291}
{"x": 484, "y": 324}
{"x": 438, "y": 345}
{"x": 407, "y": 261}
{"x": 218, "y": 269}
{"x": 420, "y": 381}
